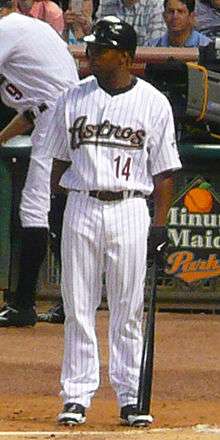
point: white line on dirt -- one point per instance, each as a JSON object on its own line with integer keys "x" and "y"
{"x": 67, "y": 433}
{"x": 207, "y": 428}
{"x": 52, "y": 434}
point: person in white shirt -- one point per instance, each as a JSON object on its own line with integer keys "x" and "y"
{"x": 36, "y": 66}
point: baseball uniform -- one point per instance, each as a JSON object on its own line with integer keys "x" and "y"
{"x": 116, "y": 143}
{"x": 37, "y": 66}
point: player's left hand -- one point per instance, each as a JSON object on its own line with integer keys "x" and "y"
{"x": 157, "y": 243}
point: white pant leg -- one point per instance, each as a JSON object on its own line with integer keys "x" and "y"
{"x": 125, "y": 275}
{"x": 82, "y": 267}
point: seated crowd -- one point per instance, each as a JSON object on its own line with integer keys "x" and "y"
{"x": 158, "y": 23}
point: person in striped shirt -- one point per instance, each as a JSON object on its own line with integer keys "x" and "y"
{"x": 146, "y": 16}
{"x": 208, "y": 17}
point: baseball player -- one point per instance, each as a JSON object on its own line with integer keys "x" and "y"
{"x": 118, "y": 132}
{"x": 36, "y": 67}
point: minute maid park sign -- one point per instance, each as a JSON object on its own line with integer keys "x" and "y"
{"x": 194, "y": 233}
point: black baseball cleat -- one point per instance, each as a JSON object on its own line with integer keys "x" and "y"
{"x": 130, "y": 416}
{"x": 11, "y": 316}
{"x": 55, "y": 315}
{"x": 72, "y": 414}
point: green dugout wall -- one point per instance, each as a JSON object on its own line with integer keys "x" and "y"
{"x": 5, "y": 219}
{"x": 14, "y": 160}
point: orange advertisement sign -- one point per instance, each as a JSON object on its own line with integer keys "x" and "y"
{"x": 194, "y": 234}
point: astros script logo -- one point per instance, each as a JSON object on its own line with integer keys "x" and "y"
{"x": 105, "y": 134}
{"x": 194, "y": 232}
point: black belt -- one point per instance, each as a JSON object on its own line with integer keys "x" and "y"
{"x": 111, "y": 196}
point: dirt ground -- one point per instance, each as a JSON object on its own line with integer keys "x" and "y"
{"x": 186, "y": 386}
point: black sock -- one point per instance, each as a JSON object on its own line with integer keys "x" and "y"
{"x": 33, "y": 252}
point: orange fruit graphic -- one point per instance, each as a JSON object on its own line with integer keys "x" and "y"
{"x": 198, "y": 199}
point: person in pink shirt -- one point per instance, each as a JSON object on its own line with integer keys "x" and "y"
{"x": 45, "y": 10}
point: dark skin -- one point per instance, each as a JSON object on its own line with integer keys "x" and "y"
{"x": 163, "y": 196}
{"x": 119, "y": 77}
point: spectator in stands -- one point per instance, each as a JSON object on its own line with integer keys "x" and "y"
{"x": 179, "y": 16}
{"x": 45, "y": 10}
{"x": 208, "y": 17}
{"x": 78, "y": 22}
{"x": 146, "y": 16}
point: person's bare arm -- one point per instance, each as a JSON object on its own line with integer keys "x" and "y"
{"x": 58, "y": 169}
{"x": 81, "y": 23}
{"x": 162, "y": 196}
{"x": 87, "y": 13}
{"x": 17, "y": 126}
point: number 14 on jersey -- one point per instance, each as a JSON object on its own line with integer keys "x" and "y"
{"x": 122, "y": 168}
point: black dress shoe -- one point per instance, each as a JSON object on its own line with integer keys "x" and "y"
{"x": 11, "y": 316}
{"x": 55, "y": 315}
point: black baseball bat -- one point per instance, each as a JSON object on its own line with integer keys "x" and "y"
{"x": 147, "y": 361}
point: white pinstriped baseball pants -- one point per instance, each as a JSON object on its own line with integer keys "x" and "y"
{"x": 112, "y": 237}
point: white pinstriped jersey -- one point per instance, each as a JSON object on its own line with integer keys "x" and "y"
{"x": 35, "y": 61}
{"x": 114, "y": 142}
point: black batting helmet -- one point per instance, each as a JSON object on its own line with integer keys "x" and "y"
{"x": 114, "y": 33}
